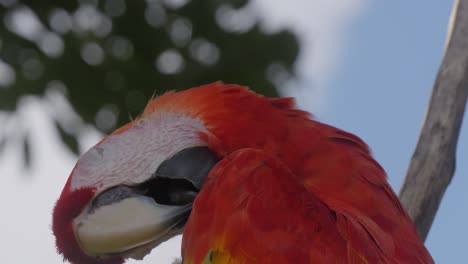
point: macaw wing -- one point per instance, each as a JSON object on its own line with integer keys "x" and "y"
{"x": 369, "y": 215}
{"x": 253, "y": 209}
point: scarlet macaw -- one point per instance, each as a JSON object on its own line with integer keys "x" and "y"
{"x": 252, "y": 179}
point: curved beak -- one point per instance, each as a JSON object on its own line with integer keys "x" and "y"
{"x": 130, "y": 227}
{"x": 129, "y": 221}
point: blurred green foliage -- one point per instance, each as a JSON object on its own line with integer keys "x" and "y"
{"x": 108, "y": 57}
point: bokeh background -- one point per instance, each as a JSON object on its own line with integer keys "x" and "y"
{"x": 72, "y": 71}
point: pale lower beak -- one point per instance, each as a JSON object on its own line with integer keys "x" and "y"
{"x": 127, "y": 226}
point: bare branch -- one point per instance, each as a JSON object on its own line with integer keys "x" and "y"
{"x": 433, "y": 162}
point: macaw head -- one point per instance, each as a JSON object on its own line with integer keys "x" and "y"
{"x": 135, "y": 188}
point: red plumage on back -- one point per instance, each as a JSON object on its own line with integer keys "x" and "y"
{"x": 289, "y": 187}
{"x": 271, "y": 185}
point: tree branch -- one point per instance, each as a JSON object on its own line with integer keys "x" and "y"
{"x": 433, "y": 163}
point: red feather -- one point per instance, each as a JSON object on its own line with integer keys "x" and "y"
{"x": 289, "y": 187}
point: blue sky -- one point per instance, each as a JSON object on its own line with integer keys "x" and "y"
{"x": 380, "y": 91}
{"x": 367, "y": 67}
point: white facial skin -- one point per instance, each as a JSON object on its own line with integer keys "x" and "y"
{"x": 132, "y": 226}
{"x": 132, "y": 156}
